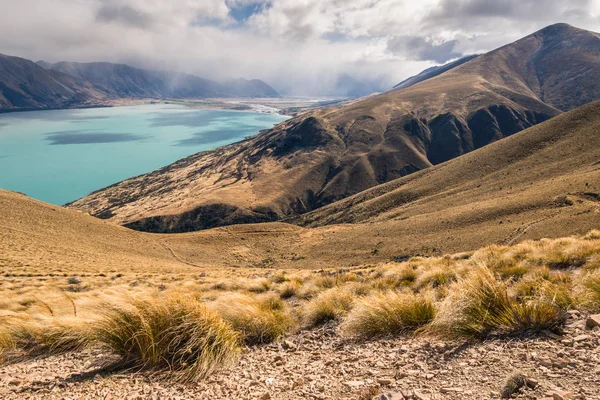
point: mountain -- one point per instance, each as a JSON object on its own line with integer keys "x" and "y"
{"x": 248, "y": 88}
{"x": 26, "y": 85}
{"x": 432, "y": 72}
{"x": 124, "y": 81}
{"x": 128, "y": 82}
{"x": 323, "y": 156}
{"x": 542, "y": 182}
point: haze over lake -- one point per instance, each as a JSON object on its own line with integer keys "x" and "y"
{"x": 61, "y": 155}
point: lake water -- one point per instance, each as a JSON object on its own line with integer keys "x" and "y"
{"x": 59, "y": 156}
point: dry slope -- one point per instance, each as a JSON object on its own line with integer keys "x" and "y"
{"x": 327, "y": 155}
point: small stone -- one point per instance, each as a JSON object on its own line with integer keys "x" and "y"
{"x": 354, "y": 384}
{"x": 593, "y": 321}
{"x": 407, "y": 394}
{"x": 390, "y": 396}
{"x": 450, "y": 390}
{"x": 385, "y": 381}
{"x": 265, "y": 396}
{"x": 404, "y": 348}
{"x": 14, "y": 382}
{"x": 288, "y": 345}
{"x": 562, "y": 395}
{"x": 581, "y": 338}
{"x": 530, "y": 382}
{"x": 429, "y": 376}
{"x": 420, "y": 396}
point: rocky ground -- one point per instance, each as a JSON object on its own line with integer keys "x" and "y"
{"x": 318, "y": 364}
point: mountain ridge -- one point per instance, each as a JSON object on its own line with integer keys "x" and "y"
{"x": 25, "y": 85}
{"x": 326, "y": 155}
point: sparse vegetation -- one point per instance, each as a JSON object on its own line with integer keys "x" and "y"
{"x": 257, "y": 319}
{"x": 177, "y": 332}
{"x": 331, "y": 305}
{"x": 389, "y": 313}
{"x": 193, "y": 324}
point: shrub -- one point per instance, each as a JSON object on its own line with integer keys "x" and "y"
{"x": 333, "y": 304}
{"x": 257, "y": 319}
{"x": 388, "y": 313}
{"x": 176, "y": 332}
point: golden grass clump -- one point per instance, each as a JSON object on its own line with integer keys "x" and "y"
{"x": 481, "y": 305}
{"x": 176, "y": 332}
{"x": 330, "y": 305}
{"x": 388, "y": 313}
{"x": 44, "y": 335}
{"x": 258, "y": 319}
{"x": 593, "y": 235}
{"x": 289, "y": 289}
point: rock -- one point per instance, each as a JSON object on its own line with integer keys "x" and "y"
{"x": 385, "y": 381}
{"x": 530, "y": 382}
{"x": 593, "y": 321}
{"x": 562, "y": 395}
{"x": 407, "y": 394}
{"x": 420, "y": 396}
{"x": 390, "y": 396}
{"x": 581, "y": 338}
{"x": 265, "y": 396}
{"x": 288, "y": 345}
{"x": 15, "y": 382}
{"x": 447, "y": 390}
{"x": 354, "y": 384}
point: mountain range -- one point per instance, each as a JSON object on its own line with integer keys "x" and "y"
{"x": 320, "y": 157}
{"x": 25, "y": 85}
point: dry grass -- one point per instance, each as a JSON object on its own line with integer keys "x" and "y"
{"x": 388, "y": 313}
{"x": 257, "y": 319}
{"x": 192, "y": 322}
{"x": 177, "y": 333}
{"x": 331, "y": 305}
{"x": 481, "y": 304}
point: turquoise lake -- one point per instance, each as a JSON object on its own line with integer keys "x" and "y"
{"x": 61, "y": 155}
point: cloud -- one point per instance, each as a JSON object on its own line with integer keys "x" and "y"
{"x": 298, "y": 46}
{"x": 123, "y": 14}
{"x": 418, "y": 48}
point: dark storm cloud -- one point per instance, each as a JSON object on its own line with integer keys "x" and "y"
{"x": 90, "y": 137}
{"x": 124, "y": 15}
{"x": 418, "y": 48}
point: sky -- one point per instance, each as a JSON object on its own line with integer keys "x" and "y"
{"x": 300, "y": 47}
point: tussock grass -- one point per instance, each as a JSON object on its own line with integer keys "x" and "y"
{"x": 331, "y": 305}
{"x": 388, "y": 313}
{"x": 45, "y": 335}
{"x": 481, "y": 305}
{"x": 289, "y": 289}
{"x": 592, "y": 235}
{"x": 513, "y": 385}
{"x": 177, "y": 333}
{"x": 258, "y": 319}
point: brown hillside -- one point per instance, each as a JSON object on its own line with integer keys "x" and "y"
{"x": 318, "y": 158}
{"x": 542, "y": 182}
